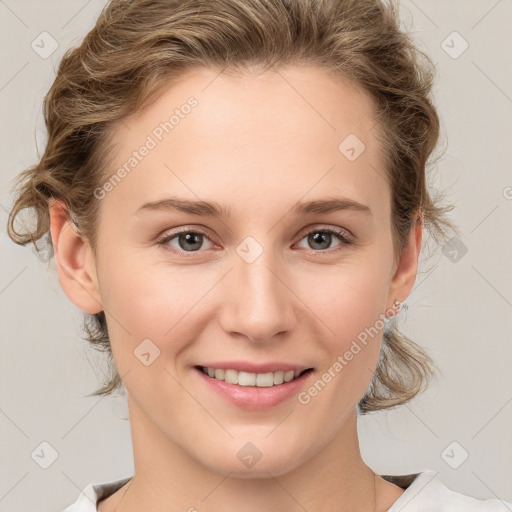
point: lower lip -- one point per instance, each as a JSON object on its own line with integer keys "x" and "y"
{"x": 253, "y": 397}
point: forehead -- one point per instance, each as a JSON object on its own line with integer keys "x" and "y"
{"x": 296, "y": 132}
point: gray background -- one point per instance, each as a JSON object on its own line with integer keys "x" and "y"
{"x": 460, "y": 309}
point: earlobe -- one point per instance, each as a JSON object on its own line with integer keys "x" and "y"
{"x": 74, "y": 260}
{"x": 407, "y": 268}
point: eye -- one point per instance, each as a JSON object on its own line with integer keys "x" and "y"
{"x": 190, "y": 241}
{"x": 320, "y": 239}
{"x": 184, "y": 241}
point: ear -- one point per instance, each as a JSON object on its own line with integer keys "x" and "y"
{"x": 75, "y": 260}
{"x": 407, "y": 266}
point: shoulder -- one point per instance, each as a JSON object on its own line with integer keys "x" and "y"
{"x": 425, "y": 492}
{"x": 89, "y": 497}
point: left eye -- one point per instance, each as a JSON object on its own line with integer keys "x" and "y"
{"x": 192, "y": 241}
{"x": 324, "y": 237}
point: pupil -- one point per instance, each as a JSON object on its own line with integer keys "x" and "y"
{"x": 190, "y": 238}
{"x": 318, "y": 237}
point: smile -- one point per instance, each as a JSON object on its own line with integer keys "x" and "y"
{"x": 262, "y": 380}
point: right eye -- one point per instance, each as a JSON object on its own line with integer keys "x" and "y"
{"x": 185, "y": 240}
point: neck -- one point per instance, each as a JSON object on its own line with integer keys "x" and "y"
{"x": 333, "y": 479}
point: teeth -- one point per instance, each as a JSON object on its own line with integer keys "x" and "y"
{"x": 262, "y": 380}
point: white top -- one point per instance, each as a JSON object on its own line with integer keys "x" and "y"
{"x": 424, "y": 492}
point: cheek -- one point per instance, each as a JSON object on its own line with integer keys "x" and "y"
{"x": 351, "y": 297}
{"x": 151, "y": 300}
{"x": 351, "y": 302}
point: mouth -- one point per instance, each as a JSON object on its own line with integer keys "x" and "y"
{"x": 248, "y": 379}
{"x": 251, "y": 391}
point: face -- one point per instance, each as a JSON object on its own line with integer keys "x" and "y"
{"x": 275, "y": 277}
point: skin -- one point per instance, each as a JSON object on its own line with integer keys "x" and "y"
{"x": 257, "y": 143}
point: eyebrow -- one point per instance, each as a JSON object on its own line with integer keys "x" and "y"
{"x": 213, "y": 209}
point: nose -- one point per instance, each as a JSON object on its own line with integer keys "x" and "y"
{"x": 258, "y": 302}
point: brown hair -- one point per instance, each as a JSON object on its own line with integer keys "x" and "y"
{"x": 139, "y": 46}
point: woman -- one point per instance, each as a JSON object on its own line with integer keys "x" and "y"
{"x": 236, "y": 196}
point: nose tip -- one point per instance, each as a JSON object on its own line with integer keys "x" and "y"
{"x": 259, "y": 307}
{"x": 262, "y": 332}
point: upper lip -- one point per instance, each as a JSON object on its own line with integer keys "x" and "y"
{"x": 250, "y": 367}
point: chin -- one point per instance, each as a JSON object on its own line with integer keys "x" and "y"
{"x": 260, "y": 466}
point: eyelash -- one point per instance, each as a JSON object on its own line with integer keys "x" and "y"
{"x": 341, "y": 234}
